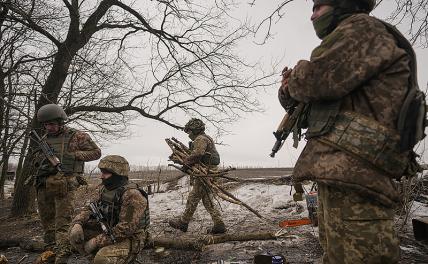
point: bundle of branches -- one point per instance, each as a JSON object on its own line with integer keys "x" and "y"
{"x": 204, "y": 173}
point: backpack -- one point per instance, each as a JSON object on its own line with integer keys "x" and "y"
{"x": 412, "y": 118}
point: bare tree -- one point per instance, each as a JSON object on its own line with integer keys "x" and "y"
{"x": 413, "y": 14}
{"x": 111, "y": 60}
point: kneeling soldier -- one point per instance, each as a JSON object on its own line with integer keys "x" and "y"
{"x": 124, "y": 207}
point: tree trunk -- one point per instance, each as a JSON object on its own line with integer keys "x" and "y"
{"x": 24, "y": 195}
{"x": 4, "y": 146}
{"x": 22, "y": 156}
{"x": 5, "y": 167}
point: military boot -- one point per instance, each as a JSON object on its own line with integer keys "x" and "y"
{"x": 218, "y": 228}
{"x": 178, "y": 224}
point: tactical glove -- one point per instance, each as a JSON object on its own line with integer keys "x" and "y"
{"x": 91, "y": 246}
{"x": 283, "y": 95}
{"x": 76, "y": 235}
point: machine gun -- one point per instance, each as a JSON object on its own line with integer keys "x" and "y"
{"x": 286, "y": 127}
{"x": 102, "y": 221}
{"x": 47, "y": 151}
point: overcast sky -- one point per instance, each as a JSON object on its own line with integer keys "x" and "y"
{"x": 250, "y": 139}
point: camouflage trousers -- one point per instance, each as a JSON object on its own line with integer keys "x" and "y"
{"x": 122, "y": 252}
{"x": 353, "y": 229}
{"x": 56, "y": 213}
{"x": 198, "y": 192}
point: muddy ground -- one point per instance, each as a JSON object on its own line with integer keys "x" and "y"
{"x": 272, "y": 199}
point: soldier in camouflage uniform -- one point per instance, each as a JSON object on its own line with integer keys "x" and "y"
{"x": 55, "y": 190}
{"x": 202, "y": 150}
{"x": 126, "y": 208}
{"x": 354, "y": 86}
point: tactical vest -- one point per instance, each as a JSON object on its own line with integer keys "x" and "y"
{"x": 211, "y": 155}
{"x": 60, "y": 145}
{"x": 111, "y": 201}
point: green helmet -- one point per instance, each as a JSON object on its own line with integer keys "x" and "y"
{"x": 194, "y": 124}
{"x": 115, "y": 164}
{"x": 51, "y": 112}
{"x": 366, "y": 5}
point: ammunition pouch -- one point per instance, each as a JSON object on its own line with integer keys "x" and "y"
{"x": 368, "y": 140}
{"x": 59, "y": 184}
{"x": 321, "y": 117}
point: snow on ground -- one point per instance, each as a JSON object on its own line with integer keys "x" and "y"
{"x": 273, "y": 202}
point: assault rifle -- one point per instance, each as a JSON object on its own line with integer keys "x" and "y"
{"x": 47, "y": 151}
{"x": 286, "y": 127}
{"x": 102, "y": 221}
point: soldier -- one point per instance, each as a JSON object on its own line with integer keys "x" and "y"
{"x": 55, "y": 190}
{"x": 126, "y": 208}
{"x": 355, "y": 85}
{"x": 202, "y": 150}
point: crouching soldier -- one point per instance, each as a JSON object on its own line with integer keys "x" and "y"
{"x": 124, "y": 208}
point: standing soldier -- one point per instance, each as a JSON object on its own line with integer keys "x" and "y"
{"x": 357, "y": 86}
{"x": 55, "y": 190}
{"x": 124, "y": 206}
{"x": 202, "y": 150}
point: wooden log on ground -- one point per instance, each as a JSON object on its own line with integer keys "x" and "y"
{"x": 198, "y": 244}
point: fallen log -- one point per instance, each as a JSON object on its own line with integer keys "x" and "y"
{"x": 200, "y": 243}
{"x": 24, "y": 243}
{"x": 195, "y": 244}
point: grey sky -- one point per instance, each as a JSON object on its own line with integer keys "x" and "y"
{"x": 251, "y": 138}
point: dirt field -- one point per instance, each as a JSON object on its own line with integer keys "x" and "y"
{"x": 272, "y": 200}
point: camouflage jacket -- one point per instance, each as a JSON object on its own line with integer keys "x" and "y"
{"x": 132, "y": 210}
{"x": 201, "y": 146}
{"x": 360, "y": 64}
{"x": 83, "y": 147}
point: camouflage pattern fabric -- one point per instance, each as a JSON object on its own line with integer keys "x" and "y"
{"x": 55, "y": 214}
{"x": 354, "y": 229}
{"x": 124, "y": 251}
{"x": 201, "y": 146}
{"x": 115, "y": 164}
{"x": 83, "y": 147}
{"x": 132, "y": 211}
{"x": 360, "y": 64}
{"x": 194, "y": 124}
{"x": 198, "y": 192}
{"x": 56, "y": 206}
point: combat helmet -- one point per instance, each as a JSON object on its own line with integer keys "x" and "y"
{"x": 365, "y": 5}
{"x": 195, "y": 125}
{"x": 51, "y": 112}
{"x": 115, "y": 164}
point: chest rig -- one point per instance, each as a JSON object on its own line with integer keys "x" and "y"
{"x": 60, "y": 144}
{"x": 211, "y": 156}
{"x": 111, "y": 202}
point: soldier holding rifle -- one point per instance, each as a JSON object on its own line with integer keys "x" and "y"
{"x": 59, "y": 165}
{"x": 114, "y": 227}
{"x": 363, "y": 117}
